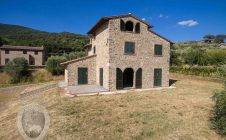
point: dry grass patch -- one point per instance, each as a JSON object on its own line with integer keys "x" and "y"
{"x": 180, "y": 113}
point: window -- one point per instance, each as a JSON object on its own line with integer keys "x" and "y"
{"x": 129, "y": 48}
{"x": 94, "y": 50}
{"x": 24, "y": 52}
{"x": 129, "y": 26}
{"x": 36, "y": 52}
{"x": 137, "y": 28}
{"x": 158, "y": 50}
{"x": 6, "y": 60}
{"x": 6, "y": 51}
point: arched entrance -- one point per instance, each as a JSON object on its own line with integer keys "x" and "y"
{"x": 128, "y": 77}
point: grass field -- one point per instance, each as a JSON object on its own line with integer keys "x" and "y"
{"x": 180, "y": 113}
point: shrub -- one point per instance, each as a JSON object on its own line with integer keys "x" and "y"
{"x": 198, "y": 70}
{"x": 219, "y": 119}
{"x": 17, "y": 69}
{"x": 53, "y": 65}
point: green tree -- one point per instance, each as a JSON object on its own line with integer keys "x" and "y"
{"x": 17, "y": 69}
{"x": 220, "y": 38}
{"x": 53, "y": 65}
{"x": 209, "y": 37}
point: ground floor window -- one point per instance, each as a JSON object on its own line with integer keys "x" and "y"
{"x": 157, "y": 77}
{"x": 82, "y": 76}
{"x": 6, "y": 60}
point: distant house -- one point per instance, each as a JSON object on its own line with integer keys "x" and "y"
{"x": 123, "y": 53}
{"x": 34, "y": 55}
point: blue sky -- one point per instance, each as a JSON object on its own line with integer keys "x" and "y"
{"x": 178, "y": 20}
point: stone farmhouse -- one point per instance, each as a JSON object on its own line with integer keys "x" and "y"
{"x": 123, "y": 53}
{"x": 34, "y": 55}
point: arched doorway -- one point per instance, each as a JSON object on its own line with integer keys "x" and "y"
{"x": 128, "y": 77}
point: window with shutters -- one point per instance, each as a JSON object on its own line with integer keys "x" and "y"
{"x": 6, "y": 60}
{"x": 158, "y": 50}
{"x": 6, "y": 51}
{"x": 129, "y": 48}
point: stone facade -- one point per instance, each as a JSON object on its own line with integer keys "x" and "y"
{"x": 71, "y": 70}
{"x": 34, "y": 53}
{"x": 108, "y": 45}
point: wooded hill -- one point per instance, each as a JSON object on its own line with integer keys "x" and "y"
{"x": 54, "y": 43}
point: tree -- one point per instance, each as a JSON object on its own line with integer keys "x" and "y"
{"x": 220, "y": 38}
{"x": 209, "y": 37}
{"x": 53, "y": 65}
{"x": 17, "y": 69}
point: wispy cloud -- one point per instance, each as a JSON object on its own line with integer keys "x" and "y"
{"x": 188, "y": 23}
{"x": 143, "y": 19}
{"x": 162, "y": 16}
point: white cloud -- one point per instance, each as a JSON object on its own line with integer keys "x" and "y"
{"x": 188, "y": 23}
{"x": 143, "y": 19}
{"x": 160, "y": 15}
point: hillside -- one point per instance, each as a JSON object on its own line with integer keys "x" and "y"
{"x": 55, "y": 43}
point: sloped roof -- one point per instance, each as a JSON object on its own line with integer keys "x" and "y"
{"x": 76, "y": 60}
{"x": 9, "y": 47}
{"x": 161, "y": 36}
{"x": 105, "y": 19}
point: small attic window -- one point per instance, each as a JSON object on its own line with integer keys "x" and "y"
{"x": 129, "y": 26}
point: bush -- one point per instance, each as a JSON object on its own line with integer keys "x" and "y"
{"x": 17, "y": 69}
{"x": 53, "y": 65}
{"x": 198, "y": 70}
{"x": 219, "y": 119}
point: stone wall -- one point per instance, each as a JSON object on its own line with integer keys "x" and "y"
{"x": 19, "y": 53}
{"x": 100, "y": 41}
{"x": 72, "y": 70}
{"x": 144, "y": 53}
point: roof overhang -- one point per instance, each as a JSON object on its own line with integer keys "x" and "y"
{"x": 106, "y": 19}
{"x": 76, "y": 60}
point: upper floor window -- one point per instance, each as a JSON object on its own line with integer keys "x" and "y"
{"x": 94, "y": 50}
{"x": 129, "y": 48}
{"x": 158, "y": 50}
{"x": 24, "y": 52}
{"x": 129, "y": 26}
{"x": 36, "y": 52}
{"x": 6, "y": 51}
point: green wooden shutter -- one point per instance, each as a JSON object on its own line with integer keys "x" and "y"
{"x": 129, "y": 48}
{"x": 82, "y": 76}
{"x": 158, "y": 49}
{"x": 139, "y": 78}
{"x": 137, "y": 28}
{"x": 101, "y": 76}
{"x": 157, "y": 77}
{"x": 119, "y": 79}
{"x": 122, "y": 25}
